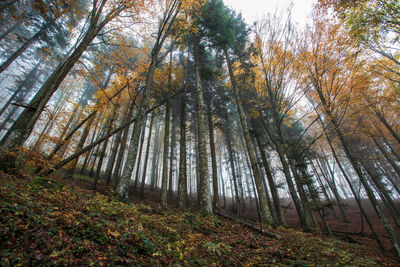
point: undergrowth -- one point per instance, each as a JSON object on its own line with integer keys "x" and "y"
{"x": 49, "y": 222}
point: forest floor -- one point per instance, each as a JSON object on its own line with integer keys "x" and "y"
{"x": 52, "y": 221}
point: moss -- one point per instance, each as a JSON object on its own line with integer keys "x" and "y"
{"x": 41, "y": 182}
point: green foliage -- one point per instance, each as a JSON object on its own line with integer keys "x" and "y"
{"x": 41, "y": 182}
{"x": 217, "y": 248}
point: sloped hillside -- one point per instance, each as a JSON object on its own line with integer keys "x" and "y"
{"x": 52, "y": 222}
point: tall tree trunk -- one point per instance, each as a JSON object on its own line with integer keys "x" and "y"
{"x": 9, "y": 30}
{"x": 203, "y": 190}
{"x": 215, "y": 202}
{"x": 266, "y": 216}
{"x": 139, "y": 160}
{"x": 329, "y": 194}
{"x": 133, "y": 146}
{"x": 240, "y": 185}
{"x": 121, "y": 151}
{"x": 394, "y": 165}
{"x": 335, "y": 192}
{"x": 233, "y": 170}
{"x": 164, "y": 183}
{"x": 172, "y": 155}
{"x": 23, "y": 48}
{"x": 114, "y": 151}
{"x": 182, "y": 179}
{"x": 80, "y": 145}
{"x": 146, "y": 159}
{"x": 356, "y": 197}
{"x": 376, "y": 179}
{"x": 222, "y": 180}
{"x": 107, "y": 131}
{"x": 352, "y": 158}
{"x": 304, "y": 221}
{"x": 155, "y": 156}
{"x": 300, "y": 189}
{"x": 271, "y": 182}
{"x": 388, "y": 126}
{"x": 89, "y": 154}
{"x": 22, "y": 128}
{"x": 25, "y": 84}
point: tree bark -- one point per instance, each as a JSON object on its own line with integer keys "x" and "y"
{"x": 182, "y": 179}
{"x": 172, "y": 155}
{"x": 121, "y": 151}
{"x": 215, "y": 202}
{"x": 139, "y": 160}
{"x": 109, "y": 124}
{"x": 146, "y": 159}
{"x": 9, "y": 30}
{"x": 23, "y": 48}
{"x": 25, "y": 123}
{"x": 350, "y": 155}
{"x": 271, "y": 182}
{"x": 164, "y": 175}
{"x": 265, "y": 213}
{"x": 155, "y": 156}
{"x": 233, "y": 170}
{"x": 203, "y": 190}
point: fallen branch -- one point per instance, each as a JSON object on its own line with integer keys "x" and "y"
{"x": 252, "y": 227}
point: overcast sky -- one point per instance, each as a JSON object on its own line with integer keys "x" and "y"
{"x": 251, "y": 9}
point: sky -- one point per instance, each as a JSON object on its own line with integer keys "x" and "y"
{"x": 251, "y": 9}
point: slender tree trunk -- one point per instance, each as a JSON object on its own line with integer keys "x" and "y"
{"x": 155, "y": 156}
{"x": 133, "y": 146}
{"x": 164, "y": 183}
{"x": 304, "y": 221}
{"x": 80, "y": 145}
{"x": 146, "y": 157}
{"x": 107, "y": 131}
{"x": 356, "y": 197}
{"x": 89, "y": 154}
{"x": 233, "y": 171}
{"x": 121, "y": 151}
{"x": 350, "y": 154}
{"x": 23, "y": 48}
{"x": 388, "y": 126}
{"x": 114, "y": 151}
{"x": 215, "y": 202}
{"x": 222, "y": 180}
{"x": 329, "y": 194}
{"x": 22, "y": 85}
{"x": 9, "y": 30}
{"x": 395, "y": 167}
{"x": 111, "y": 159}
{"x": 265, "y": 213}
{"x": 240, "y": 186}
{"x": 139, "y": 160}
{"x": 50, "y": 122}
{"x": 182, "y": 179}
{"x": 172, "y": 156}
{"x": 22, "y": 128}
{"x": 23, "y": 88}
{"x": 335, "y": 192}
{"x": 300, "y": 190}
{"x": 381, "y": 188}
{"x": 271, "y": 182}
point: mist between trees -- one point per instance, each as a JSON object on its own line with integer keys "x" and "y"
{"x": 182, "y": 97}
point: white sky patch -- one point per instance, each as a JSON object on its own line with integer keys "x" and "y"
{"x": 253, "y": 9}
